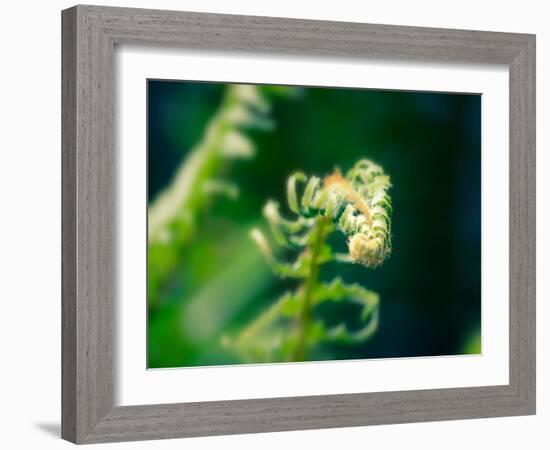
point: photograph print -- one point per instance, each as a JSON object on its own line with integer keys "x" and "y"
{"x": 290, "y": 224}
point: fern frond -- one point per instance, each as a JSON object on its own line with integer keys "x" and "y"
{"x": 360, "y": 207}
{"x": 243, "y": 107}
{"x": 262, "y": 340}
{"x": 357, "y": 205}
{"x": 340, "y": 334}
{"x": 173, "y": 216}
{"x": 298, "y": 269}
{"x": 338, "y": 291}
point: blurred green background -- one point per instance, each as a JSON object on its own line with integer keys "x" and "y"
{"x": 430, "y": 287}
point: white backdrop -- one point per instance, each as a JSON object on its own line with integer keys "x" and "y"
{"x": 30, "y": 229}
{"x": 135, "y": 386}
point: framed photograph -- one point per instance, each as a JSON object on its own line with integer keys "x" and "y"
{"x": 278, "y": 224}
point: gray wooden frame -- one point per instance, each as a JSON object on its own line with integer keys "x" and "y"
{"x": 88, "y": 156}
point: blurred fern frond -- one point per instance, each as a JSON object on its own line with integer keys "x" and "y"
{"x": 173, "y": 215}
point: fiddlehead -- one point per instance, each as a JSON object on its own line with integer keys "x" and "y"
{"x": 357, "y": 205}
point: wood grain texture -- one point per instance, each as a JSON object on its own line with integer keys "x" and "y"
{"x": 68, "y": 225}
{"x": 89, "y": 199}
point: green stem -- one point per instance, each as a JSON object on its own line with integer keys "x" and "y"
{"x": 302, "y": 324}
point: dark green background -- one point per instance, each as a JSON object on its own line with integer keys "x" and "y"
{"x": 430, "y": 287}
